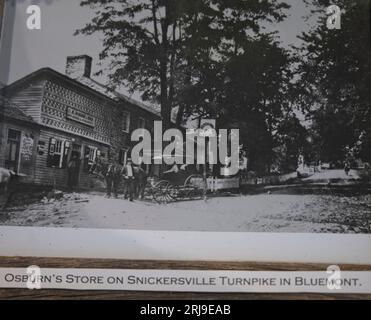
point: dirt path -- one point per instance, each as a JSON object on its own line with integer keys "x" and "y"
{"x": 252, "y": 213}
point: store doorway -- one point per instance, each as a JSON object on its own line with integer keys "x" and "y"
{"x": 13, "y": 147}
{"x": 76, "y": 150}
{"x": 73, "y": 167}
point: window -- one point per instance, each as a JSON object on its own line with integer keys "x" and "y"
{"x": 123, "y": 156}
{"x": 142, "y": 123}
{"x": 58, "y": 153}
{"x": 91, "y": 154}
{"x": 126, "y": 121}
{"x": 13, "y": 145}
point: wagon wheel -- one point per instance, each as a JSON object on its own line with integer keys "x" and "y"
{"x": 159, "y": 191}
{"x": 172, "y": 192}
{"x": 191, "y": 189}
{"x": 148, "y": 191}
{"x": 150, "y": 184}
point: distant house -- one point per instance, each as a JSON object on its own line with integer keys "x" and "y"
{"x": 73, "y": 115}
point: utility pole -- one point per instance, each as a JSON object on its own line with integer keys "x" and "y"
{"x": 207, "y": 129}
{"x": 205, "y": 173}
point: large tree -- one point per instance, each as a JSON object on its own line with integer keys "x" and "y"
{"x": 160, "y": 47}
{"x": 256, "y": 96}
{"x": 244, "y": 81}
{"x": 335, "y": 79}
{"x": 203, "y": 59}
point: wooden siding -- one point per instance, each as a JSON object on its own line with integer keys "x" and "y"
{"x": 26, "y": 169}
{"x": 28, "y": 99}
{"x": 48, "y": 97}
{"x": 55, "y": 103}
{"x": 45, "y": 175}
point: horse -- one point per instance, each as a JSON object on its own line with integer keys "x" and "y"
{"x": 99, "y": 169}
{"x": 7, "y": 178}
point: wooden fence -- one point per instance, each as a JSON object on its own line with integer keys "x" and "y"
{"x": 215, "y": 184}
{"x": 269, "y": 179}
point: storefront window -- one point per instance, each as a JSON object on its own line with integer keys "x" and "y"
{"x": 126, "y": 121}
{"x": 58, "y": 153}
{"x": 142, "y": 123}
{"x": 123, "y": 156}
{"x": 90, "y": 157}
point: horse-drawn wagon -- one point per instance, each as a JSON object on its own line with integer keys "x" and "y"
{"x": 178, "y": 185}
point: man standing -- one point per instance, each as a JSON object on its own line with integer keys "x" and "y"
{"x": 128, "y": 172}
{"x": 112, "y": 179}
{"x": 73, "y": 172}
{"x": 347, "y": 167}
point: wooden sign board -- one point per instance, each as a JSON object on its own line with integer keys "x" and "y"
{"x": 21, "y": 262}
{"x": 80, "y": 117}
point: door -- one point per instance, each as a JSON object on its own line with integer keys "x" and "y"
{"x": 74, "y": 166}
{"x": 76, "y": 151}
{"x": 13, "y": 146}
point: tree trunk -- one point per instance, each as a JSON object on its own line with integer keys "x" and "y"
{"x": 179, "y": 116}
{"x": 165, "y": 110}
{"x": 165, "y": 107}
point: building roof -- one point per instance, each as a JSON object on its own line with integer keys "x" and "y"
{"x": 89, "y": 83}
{"x": 10, "y": 110}
{"x": 92, "y": 84}
{"x": 138, "y": 103}
{"x": 95, "y": 85}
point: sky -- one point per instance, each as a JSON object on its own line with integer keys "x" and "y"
{"x": 31, "y": 50}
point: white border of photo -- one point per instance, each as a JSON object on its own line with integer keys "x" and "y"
{"x": 185, "y": 246}
{"x": 177, "y": 245}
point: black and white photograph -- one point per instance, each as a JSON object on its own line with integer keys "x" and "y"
{"x": 186, "y": 115}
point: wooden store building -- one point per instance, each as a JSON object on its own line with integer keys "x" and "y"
{"x": 51, "y": 117}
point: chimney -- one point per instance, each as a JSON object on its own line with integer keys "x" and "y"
{"x": 79, "y": 66}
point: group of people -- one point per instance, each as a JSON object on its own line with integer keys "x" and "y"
{"x": 134, "y": 178}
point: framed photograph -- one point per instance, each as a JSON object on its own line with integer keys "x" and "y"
{"x": 185, "y": 135}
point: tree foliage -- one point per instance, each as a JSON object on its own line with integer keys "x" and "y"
{"x": 335, "y": 79}
{"x": 204, "y": 58}
{"x": 156, "y": 46}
